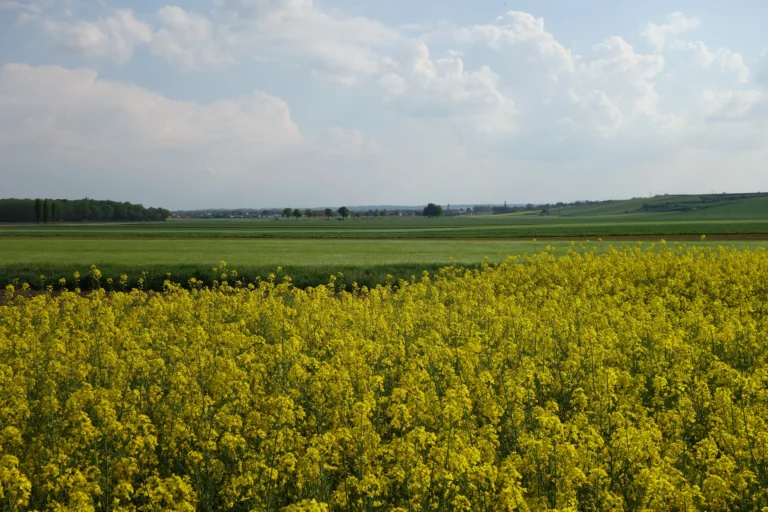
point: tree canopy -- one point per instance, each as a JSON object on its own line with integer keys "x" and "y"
{"x": 433, "y": 210}
{"x": 78, "y": 210}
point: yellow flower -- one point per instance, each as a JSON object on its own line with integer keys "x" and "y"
{"x": 625, "y": 378}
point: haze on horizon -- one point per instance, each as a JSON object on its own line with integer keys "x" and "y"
{"x": 268, "y": 103}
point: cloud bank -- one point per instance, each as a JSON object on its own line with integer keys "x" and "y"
{"x": 450, "y": 112}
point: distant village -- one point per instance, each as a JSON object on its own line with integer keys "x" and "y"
{"x": 356, "y": 212}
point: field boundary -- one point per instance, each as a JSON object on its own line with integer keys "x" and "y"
{"x": 713, "y": 237}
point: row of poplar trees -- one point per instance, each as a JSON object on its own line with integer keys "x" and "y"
{"x": 45, "y": 211}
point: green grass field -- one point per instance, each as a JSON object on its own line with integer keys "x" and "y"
{"x": 745, "y": 214}
{"x": 308, "y": 261}
{"x": 365, "y": 250}
{"x": 497, "y": 226}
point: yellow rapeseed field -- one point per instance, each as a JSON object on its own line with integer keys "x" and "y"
{"x": 632, "y": 380}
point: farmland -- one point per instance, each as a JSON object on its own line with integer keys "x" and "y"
{"x": 509, "y": 362}
{"x": 662, "y": 216}
{"x": 631, "y": 380}
{"x": 308, "y": 261}
{"x": 365, "y": 250}
{"x": 485, "y": 226}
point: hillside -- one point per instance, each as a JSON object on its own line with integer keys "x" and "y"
{"x": 706, "y": 206}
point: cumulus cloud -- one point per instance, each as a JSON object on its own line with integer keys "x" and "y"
{"x": 188, "y": 40}
{"x": 443, "y": 88}
{"x": 76, "y": 112}
{"x": 343, "y": 48}
{"x": 338, "y": 141}
{"x": 621, "y": 85}
{"x": 114, "y": 37}
{"x": 730, "y": 105}
{"x": 606, "y": 93}
{"x": 356, "y": 50}
{"x": 657, "y": 35}
{"x": 723, "y": 59}
{"x": 604, "y": 116}
{"x": 69, "y": 124}
{"x": 520, "y": 28}
{"x": 504, "y": 96}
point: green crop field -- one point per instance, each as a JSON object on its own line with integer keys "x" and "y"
{"x": 308, "y": 261}
{"x": 745, "y": 214}
{"x": 497, "y": 226}
{"x": 365, "y": 250}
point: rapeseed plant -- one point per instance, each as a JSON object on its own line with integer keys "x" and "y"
{"x": 631, "y": 379}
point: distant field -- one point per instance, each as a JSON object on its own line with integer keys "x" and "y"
{"x": 308, "y": 261}
{"x": 485, "y": 226}
{"x": 366, "y": 250}
{"x": 242, "y": 253}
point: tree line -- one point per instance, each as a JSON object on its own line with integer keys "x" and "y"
{"x": 431, "y": 210}
{"x": 45, "y": 211}
{"x": 343, "y": 212}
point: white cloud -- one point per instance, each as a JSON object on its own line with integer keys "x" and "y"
{"x": 627, "y": 80}
{"x": 442, "y": 88}
{"x": 356, "y": 50}
{"x": 520, "y": 28}
{"x": 505, "y": 99}
{"x": 676, "y": 24}
{"x": 338, "y": 141}
{"x": 604, "y": 116}
{"x": 729, "y": 104}
{"x": 513, "y": 28}
{"x": 114, "y": 37}
{"x": 723, "y": 59}
{"x": 69, "y": 132}
{"x": 76, "y": 111}
{"x": 188, "y": 41}
{"x": 604, "y": 94}
{"x": 344, "y": 49}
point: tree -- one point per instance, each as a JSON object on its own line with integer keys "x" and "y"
{"x": 344, "y": 212}
{"x": 287, "y": 212}
{"x": 433, "y": 210}
{"x": 297, "y": 213}
{"x": 328, "y": 213}
{"x": 39, "y": 210}
{"x": 383, "y": 213}
{"x": 308, "y": 213}
{"x": 79, "y": 210}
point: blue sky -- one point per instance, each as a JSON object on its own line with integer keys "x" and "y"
{"x": 261, "y": 103}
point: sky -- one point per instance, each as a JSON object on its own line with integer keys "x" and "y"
{"x": 308, "y": 103}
